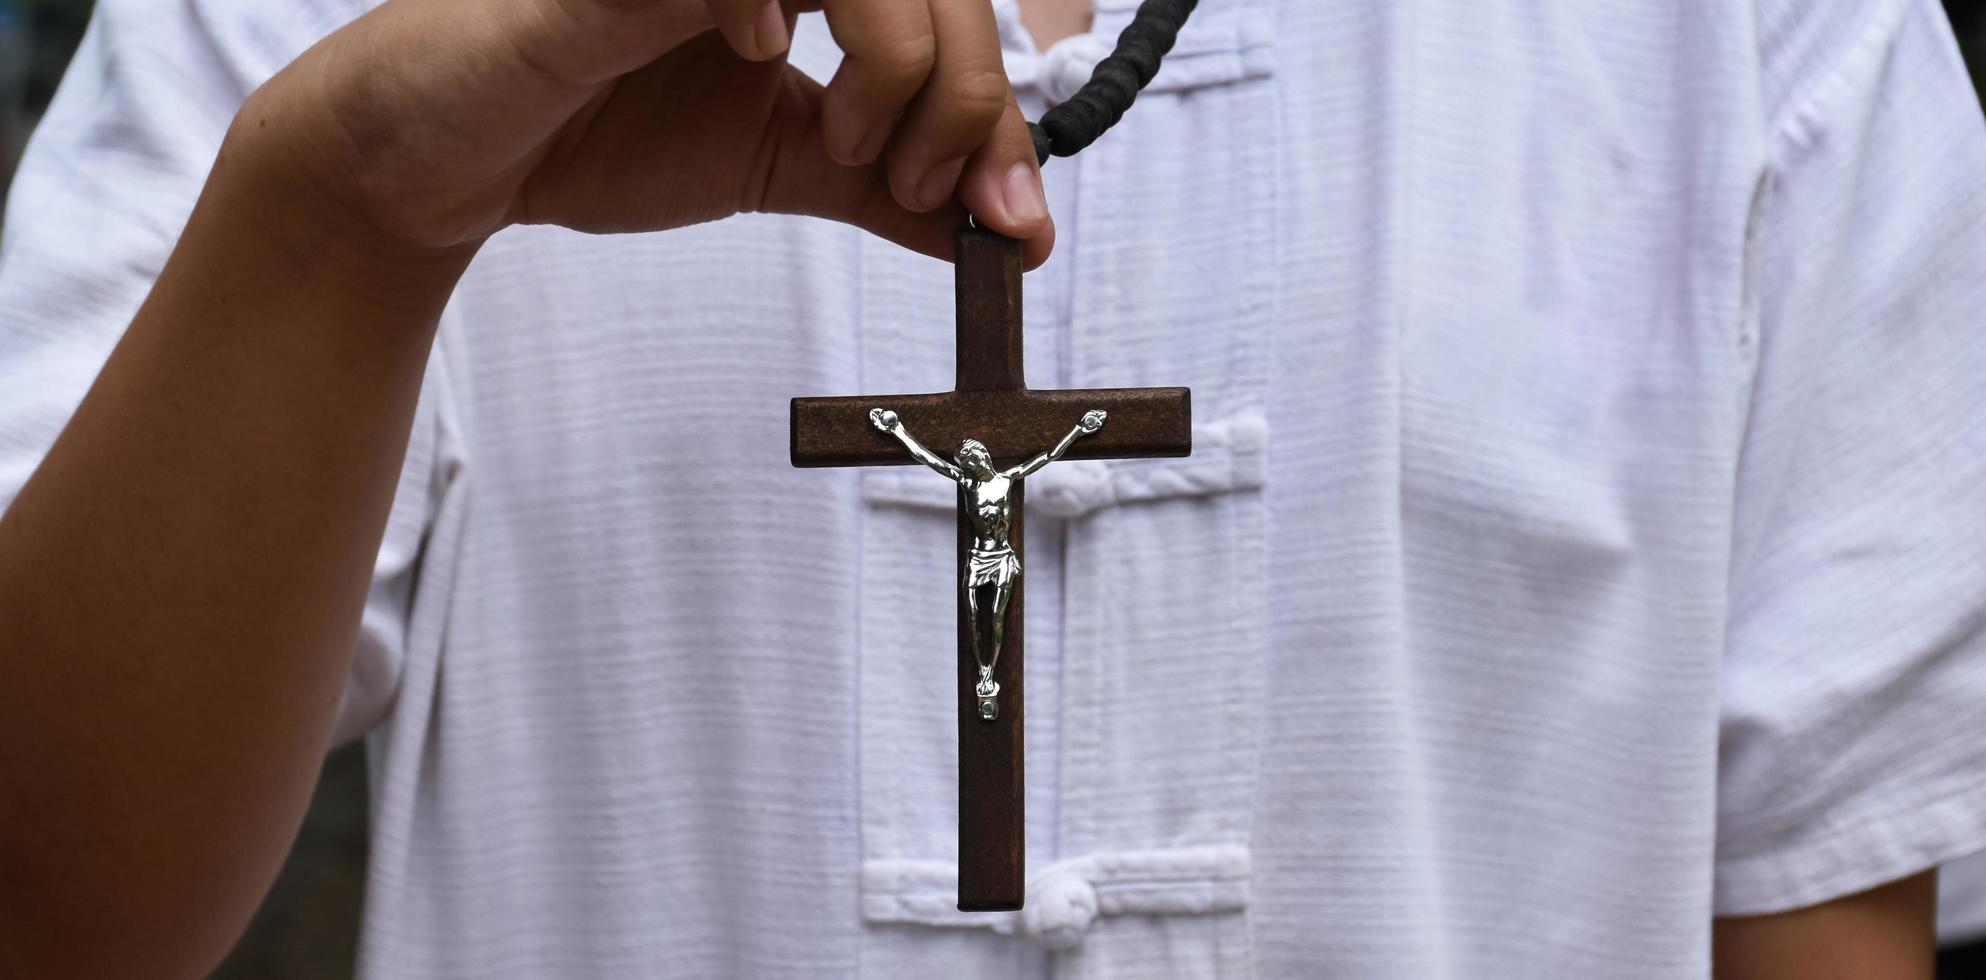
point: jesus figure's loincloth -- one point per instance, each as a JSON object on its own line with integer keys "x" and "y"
{"x": 996, "y": 567}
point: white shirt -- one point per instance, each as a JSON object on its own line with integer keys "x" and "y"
{"x": 1583, "y": 536}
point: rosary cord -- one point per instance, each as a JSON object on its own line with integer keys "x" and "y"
{"x": 1075, "y": 124}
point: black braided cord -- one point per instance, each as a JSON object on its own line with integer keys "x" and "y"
{"x": 1075, "y": 124}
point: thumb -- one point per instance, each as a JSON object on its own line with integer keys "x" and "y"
{"x": 800, "y": 178}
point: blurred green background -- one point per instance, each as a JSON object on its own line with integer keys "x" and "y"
{"x": 307, "y": 928}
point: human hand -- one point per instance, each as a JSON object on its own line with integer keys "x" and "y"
{"x": 425, "y": 126}
{"x": 884, "y": 419}
{"x": 1093, "y": 420}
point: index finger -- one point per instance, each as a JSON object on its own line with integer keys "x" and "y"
{"x": 756, "y": 29}
{"x": 888, "y": 49}
{"x": 958, "y": 109}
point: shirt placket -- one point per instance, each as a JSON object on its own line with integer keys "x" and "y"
{"x": 1165, "y": 606}
{"x": 1145, "y": 694}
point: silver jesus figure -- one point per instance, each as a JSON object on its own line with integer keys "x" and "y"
{"x": 989, "y": 505}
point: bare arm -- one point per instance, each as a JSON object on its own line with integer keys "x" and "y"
{"x": 1092, "y": 421}
{"x": 181, "y": 582}
{"x": 886, "y": 420}
{"x": 1885, "y": 933}
{"x": 182, "y": 578}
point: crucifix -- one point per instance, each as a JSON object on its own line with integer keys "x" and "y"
{"x": 1002, "y": 432}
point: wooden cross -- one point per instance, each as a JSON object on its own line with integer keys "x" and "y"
{"x": 992, "y": 404}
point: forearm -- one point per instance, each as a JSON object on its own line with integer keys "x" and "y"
{"x": 181, "y": 582}
{"x": 1885, "y": 933}
{"x": 921, "y": 454}
{"x": 1063, "y": 447}
{"x": 1034, "y": 465}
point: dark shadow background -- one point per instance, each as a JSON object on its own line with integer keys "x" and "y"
{"x": 307, "y": 929}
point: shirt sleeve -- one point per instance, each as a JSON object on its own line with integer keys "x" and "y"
{"x": 1852, "y": 744}
{"x": 105, "y": 185}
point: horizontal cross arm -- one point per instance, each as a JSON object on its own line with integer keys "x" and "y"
{"x": 1015, "y": 425}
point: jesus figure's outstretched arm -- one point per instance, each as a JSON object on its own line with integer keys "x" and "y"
{"x": 886, "y": 420}
{"x": 1092, "y": 421}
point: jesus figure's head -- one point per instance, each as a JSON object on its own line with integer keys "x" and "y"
{"x": 975, "y": 460}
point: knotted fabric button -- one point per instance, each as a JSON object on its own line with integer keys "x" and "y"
{"x": 1068, "y": 64}
{"x": 1060, "y": 911}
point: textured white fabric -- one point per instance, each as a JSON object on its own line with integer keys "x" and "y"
{"x": 1586, "y": 537}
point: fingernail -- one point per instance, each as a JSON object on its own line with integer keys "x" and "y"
{"x": 871, "y": 146}
{"x": 939, "y": 183}
{"x": 771, "y": 29}
{"x": 1022, "y": 194}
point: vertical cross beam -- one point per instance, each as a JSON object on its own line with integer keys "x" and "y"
{"x": 992, "y": 403}
{"x": 992, "y": 786}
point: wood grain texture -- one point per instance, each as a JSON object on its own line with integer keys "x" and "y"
{"x": 992, "y": 760}
{"x": 988, "y": 284}
{"x": 1144, "y": 422}
{"x": 992, "y": 757}
{"x": 992, "y": 404}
